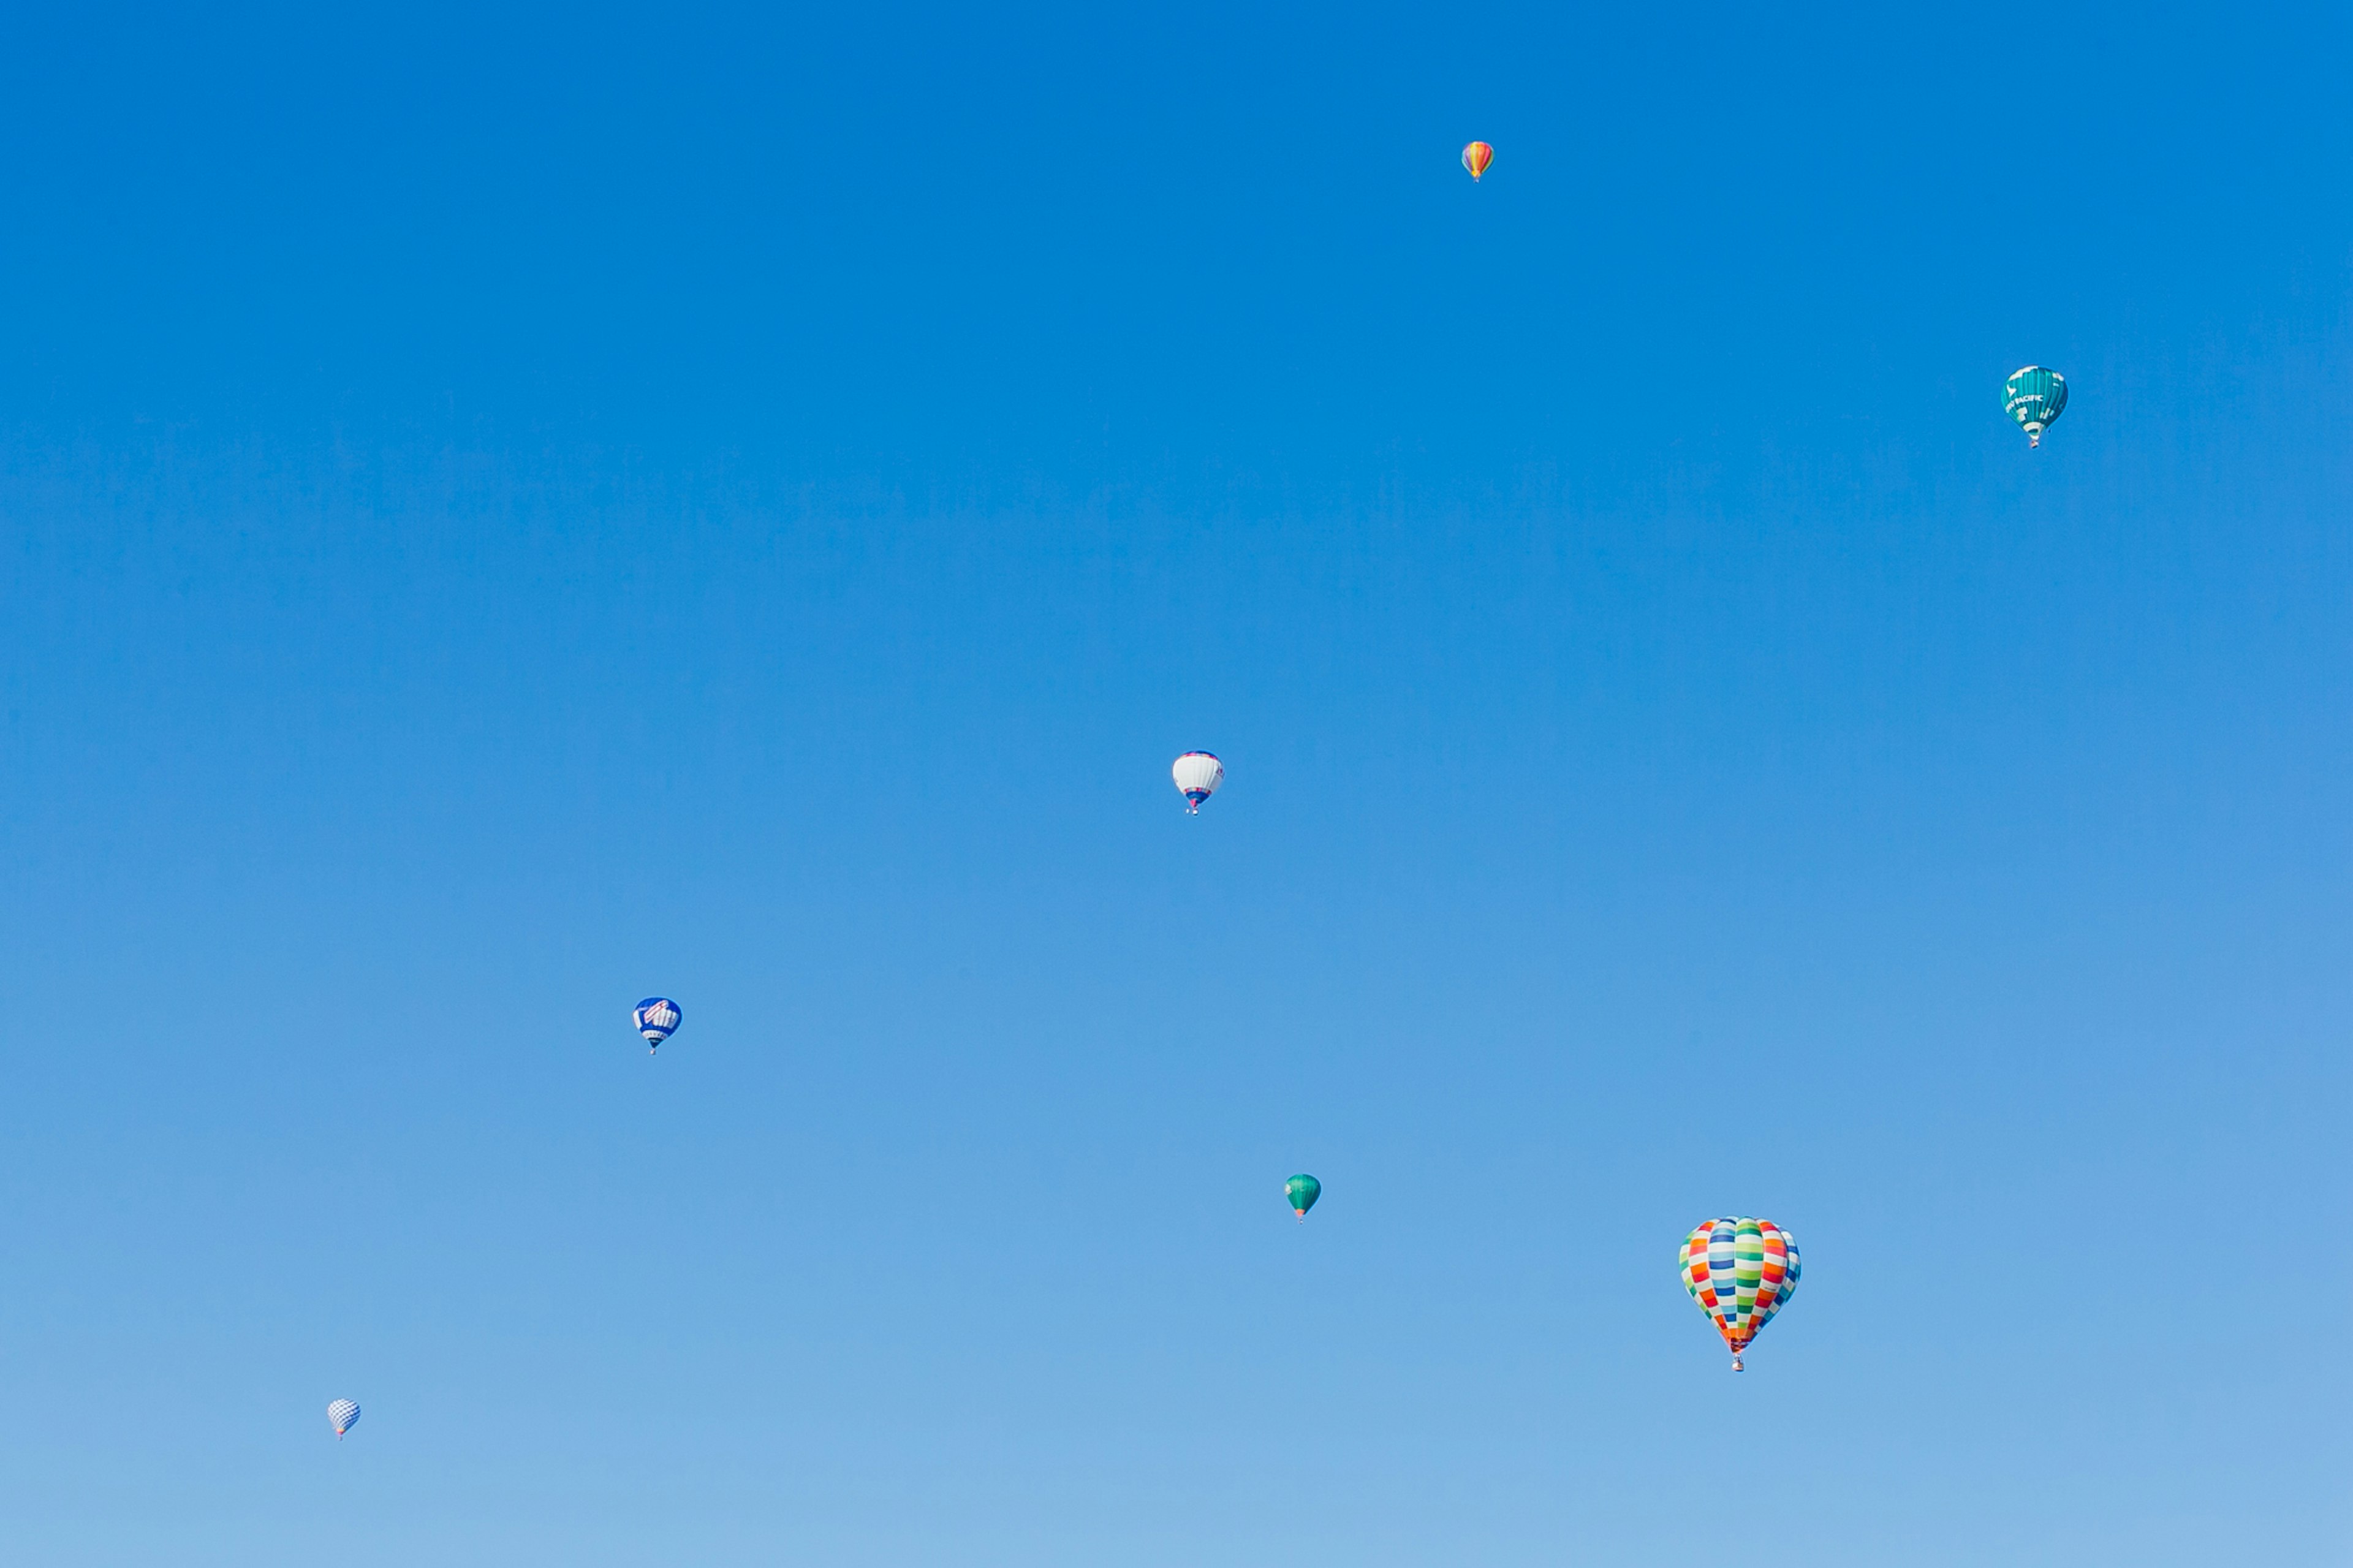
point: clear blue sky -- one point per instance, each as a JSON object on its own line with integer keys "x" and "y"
{"x": 509, "y": 513}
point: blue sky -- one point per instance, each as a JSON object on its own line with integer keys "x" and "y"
{"x": 509, "y": 513}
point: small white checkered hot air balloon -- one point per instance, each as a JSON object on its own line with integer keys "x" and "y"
{"x": 340, "y": 1414}
{"x": 1197, "y": 775}
{"x": 654, "y": 1018}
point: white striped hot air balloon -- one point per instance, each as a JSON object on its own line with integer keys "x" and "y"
{"x": 340, "y": 1414}
{"x": 1197, "y": 775}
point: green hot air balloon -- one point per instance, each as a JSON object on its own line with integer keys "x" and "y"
{"x": 1302, "y": 1191}
{"x": 2034, "y": 397}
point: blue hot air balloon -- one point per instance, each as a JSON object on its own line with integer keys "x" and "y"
{"x": 656, "y": 1018}
{"x": 340, "y": 1414}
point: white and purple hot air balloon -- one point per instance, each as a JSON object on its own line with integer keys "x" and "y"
{"x": 1197, "y": 775}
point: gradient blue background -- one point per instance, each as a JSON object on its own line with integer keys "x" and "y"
{"x": 508, "y": 513}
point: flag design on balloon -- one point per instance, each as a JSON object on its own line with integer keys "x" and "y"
{"x": 655, "y": 1018}
{"x": 1198, "y": 776}
{"x": 340, "y": 1414}
{"x": 2034, "y": 397}
{"x": 1741, "y": 1272}
{"x": 1476, "y": 157}
{"x": 1300, "y": 1191}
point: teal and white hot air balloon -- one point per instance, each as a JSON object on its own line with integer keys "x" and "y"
{"x": 2034, "y": 397}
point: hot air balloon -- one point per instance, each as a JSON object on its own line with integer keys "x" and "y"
{"x": 655, "y": 1018}
{"x": 1741, "y": 1272}
{"x": 1302, "y": 1191}
{"x": 1198, "y": 774}
{"x": 340, "y": 1414}
{"x": 1476, "y": 157}
{"x": 2034, "y": 397}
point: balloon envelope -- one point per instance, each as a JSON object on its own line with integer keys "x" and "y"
{"x": 1741, "y": 1271}
{"x": 2034, "y": 397}
{"x": 1476, "y": 157}
{"x": 1198, "y": 776}
{"x": 1302, "y": 1191}
{"x": 340, "y": 1414}
{"x": 655, "y": 1018}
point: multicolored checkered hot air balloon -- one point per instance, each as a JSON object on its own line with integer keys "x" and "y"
{"x": 1740, "y": 1271}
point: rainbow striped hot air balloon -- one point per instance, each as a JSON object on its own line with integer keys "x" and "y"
{"x": 1476, "y": 157}
{"x": 1740, "y": 1271}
